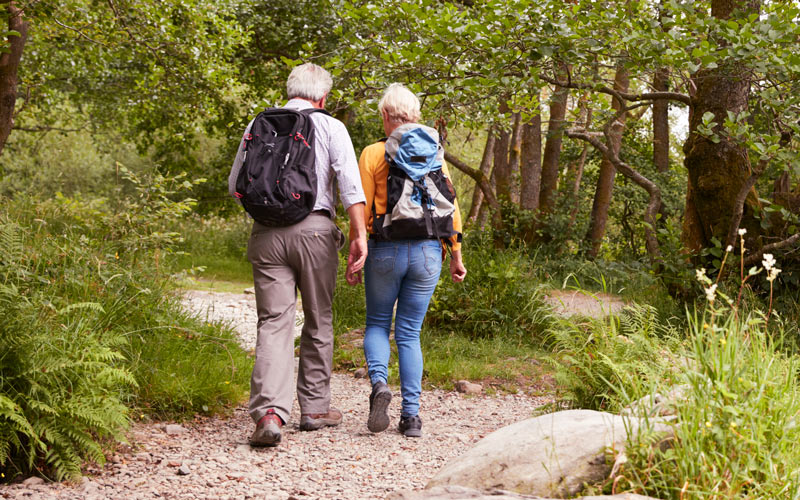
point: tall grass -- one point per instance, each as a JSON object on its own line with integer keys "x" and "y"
{"x": 91, "y": 327}
{"x": 736, "y": 432}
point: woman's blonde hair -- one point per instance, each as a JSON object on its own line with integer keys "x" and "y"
{"x": 400, "y": 104}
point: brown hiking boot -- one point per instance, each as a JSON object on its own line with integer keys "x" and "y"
{"x": 314, "y": 421}
{"x": 268, "y": 430}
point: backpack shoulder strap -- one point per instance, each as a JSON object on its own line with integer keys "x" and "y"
{"x": 310, "y": 111}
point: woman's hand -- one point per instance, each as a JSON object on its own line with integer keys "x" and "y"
{"x": 457, "y": 270}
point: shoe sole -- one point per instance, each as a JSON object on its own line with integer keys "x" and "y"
{"x": 264, "y": 437}
{"x": 378, "y": 420}
{"x": 413, "y": 433}
{"x": 313, "y": 425}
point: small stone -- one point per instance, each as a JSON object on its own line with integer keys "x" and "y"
{"x": 173, "y": 463}
{"x": 33, "y": 481}
{"x": 183, "y": 470}
{"x": 250, "y": 291}
{"x": 468, "y": 387}
{"x": 360, "y": 373}
{"x": 174, "y": 429}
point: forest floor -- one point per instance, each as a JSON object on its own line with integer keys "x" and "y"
{"x": 209, "y": 457}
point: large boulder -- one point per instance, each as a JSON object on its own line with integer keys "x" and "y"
{"x": 463, "y": 493}
{"x": 553, "y": 455}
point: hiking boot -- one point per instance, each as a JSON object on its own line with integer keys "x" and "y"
{"x": 410, "y": 426}
{"x": 314, "y": 421}
{"x": 379, "y": 400}
{"x": 268, "y": 430}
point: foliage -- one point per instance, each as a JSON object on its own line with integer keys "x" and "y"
{"x": 498, "y": 298}
{"x": 600, "y": 364}
{"x": 60, "y": 379}
{"x": 738, "y": 432}
{"x": 91, "y": 326}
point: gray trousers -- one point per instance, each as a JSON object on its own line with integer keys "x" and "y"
{"x": 301, "y": 257}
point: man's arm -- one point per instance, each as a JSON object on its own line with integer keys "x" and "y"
{"x": 358, "y": 244}
{"x": 237, "y": 164}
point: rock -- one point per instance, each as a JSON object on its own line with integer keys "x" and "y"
{"x": 360, "y": 373}
{"x": 468, "y": 387}
{"x": 250, "y": 291}
{"x": 658, "y": 405}
{"x": 551, "y": 455}
{"x": 174, "y": 429}
{"x": 33, "y": 481}
{"x": 183, "y": 470}
{"x": 453, "y": 492}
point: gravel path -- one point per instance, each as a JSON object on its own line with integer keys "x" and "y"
{"x": 210, "y": 458}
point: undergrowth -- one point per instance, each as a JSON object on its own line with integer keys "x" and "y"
{"x": 92, "y": 328}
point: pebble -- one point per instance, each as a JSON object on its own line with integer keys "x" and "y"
{"x": 174, "y": 429}
{"x": 344, "y": 462}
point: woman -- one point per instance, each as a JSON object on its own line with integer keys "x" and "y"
{"x": 405, "y": 249}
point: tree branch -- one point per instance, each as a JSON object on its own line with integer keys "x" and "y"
{"x": 654, "y": 203}
{"x": 622, "y": 96}
{"x": 756, "y": 257}
{"x": 480, "y": 179}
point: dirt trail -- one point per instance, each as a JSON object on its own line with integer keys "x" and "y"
{"x": 210, "y": 458}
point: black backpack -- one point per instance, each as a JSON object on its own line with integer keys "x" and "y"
{"x": 277, "y": 183}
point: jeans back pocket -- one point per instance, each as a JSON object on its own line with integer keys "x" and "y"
{"x": 381, "y": 259}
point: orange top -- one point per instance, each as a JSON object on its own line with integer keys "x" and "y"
{"x": 374, "y": 171}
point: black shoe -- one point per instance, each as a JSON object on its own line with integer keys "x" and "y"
{"x": 410, "y": 426}
{"x": 378, "y": 405}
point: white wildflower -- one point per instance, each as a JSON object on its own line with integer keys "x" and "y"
{"x": 769, "y": 261}
{"x": 729, "y": 249}
{"x": 701, "y": 276}
{"x": 773, "y": 273}
{"x": 742, "y": 232}
{"x": 711, "y": 293}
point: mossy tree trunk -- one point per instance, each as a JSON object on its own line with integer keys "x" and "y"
{"x": 717, "y": 170}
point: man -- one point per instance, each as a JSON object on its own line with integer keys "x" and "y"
{"x": 304, "y": 257}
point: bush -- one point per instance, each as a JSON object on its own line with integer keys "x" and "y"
{"x": 736, "y": 432}
{"x": 603, "y": 364}
{"x": 90, "y": 324}
{"x": 499, "y": 298}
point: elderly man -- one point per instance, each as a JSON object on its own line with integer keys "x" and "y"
{"x": 302, "y": 256}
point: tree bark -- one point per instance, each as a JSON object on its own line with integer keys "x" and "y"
{"x": 9, "y": 66}
{"x": 502, "y": 167}
{"x": 531, "y": 167}
{"x": 514, "y": 154}
{"x": 575, "y": 170}
{"x": 661, "y": 123}
{"x": 486, "y": 165}
{"x": 718, "y": 171}
{"x": 552, "y": 150}
{"x": 605, "y": 181}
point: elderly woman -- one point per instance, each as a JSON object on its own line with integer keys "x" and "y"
{"x": 412, "y": 217}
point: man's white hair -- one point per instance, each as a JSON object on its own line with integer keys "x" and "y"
{"x": 309, "y": 81}
{"x": 400, "y": 104}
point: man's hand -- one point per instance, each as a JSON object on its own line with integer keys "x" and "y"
{"x": 457, "y": 270}
{"x": 355, "y": 260}
{"x": 358, "y": 245}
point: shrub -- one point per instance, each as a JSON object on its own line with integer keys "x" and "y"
{"x": 90, "y": 324}
{"x": 736, "y": 432}
{"x": 499, "y": 298}
{"x": 602, "y": 364}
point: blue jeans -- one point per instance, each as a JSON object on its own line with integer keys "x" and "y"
{"x": 407, "y": 272}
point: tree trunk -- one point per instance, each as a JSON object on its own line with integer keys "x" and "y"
{"x": 605, "y": 181}
{"x": 575, "y": 171}
{"x": 513, "y": 158}
{"x": 717, "y": 171}
{"x": 552, "y": 150}
{"x": 661, "y": 112}
{"x": 531, "y": 167}
{"x": 9, "y": 64}
{"x": 486, "y": 165}
{"x": 661, "y": 123}
{"x": 502, "y": 167}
